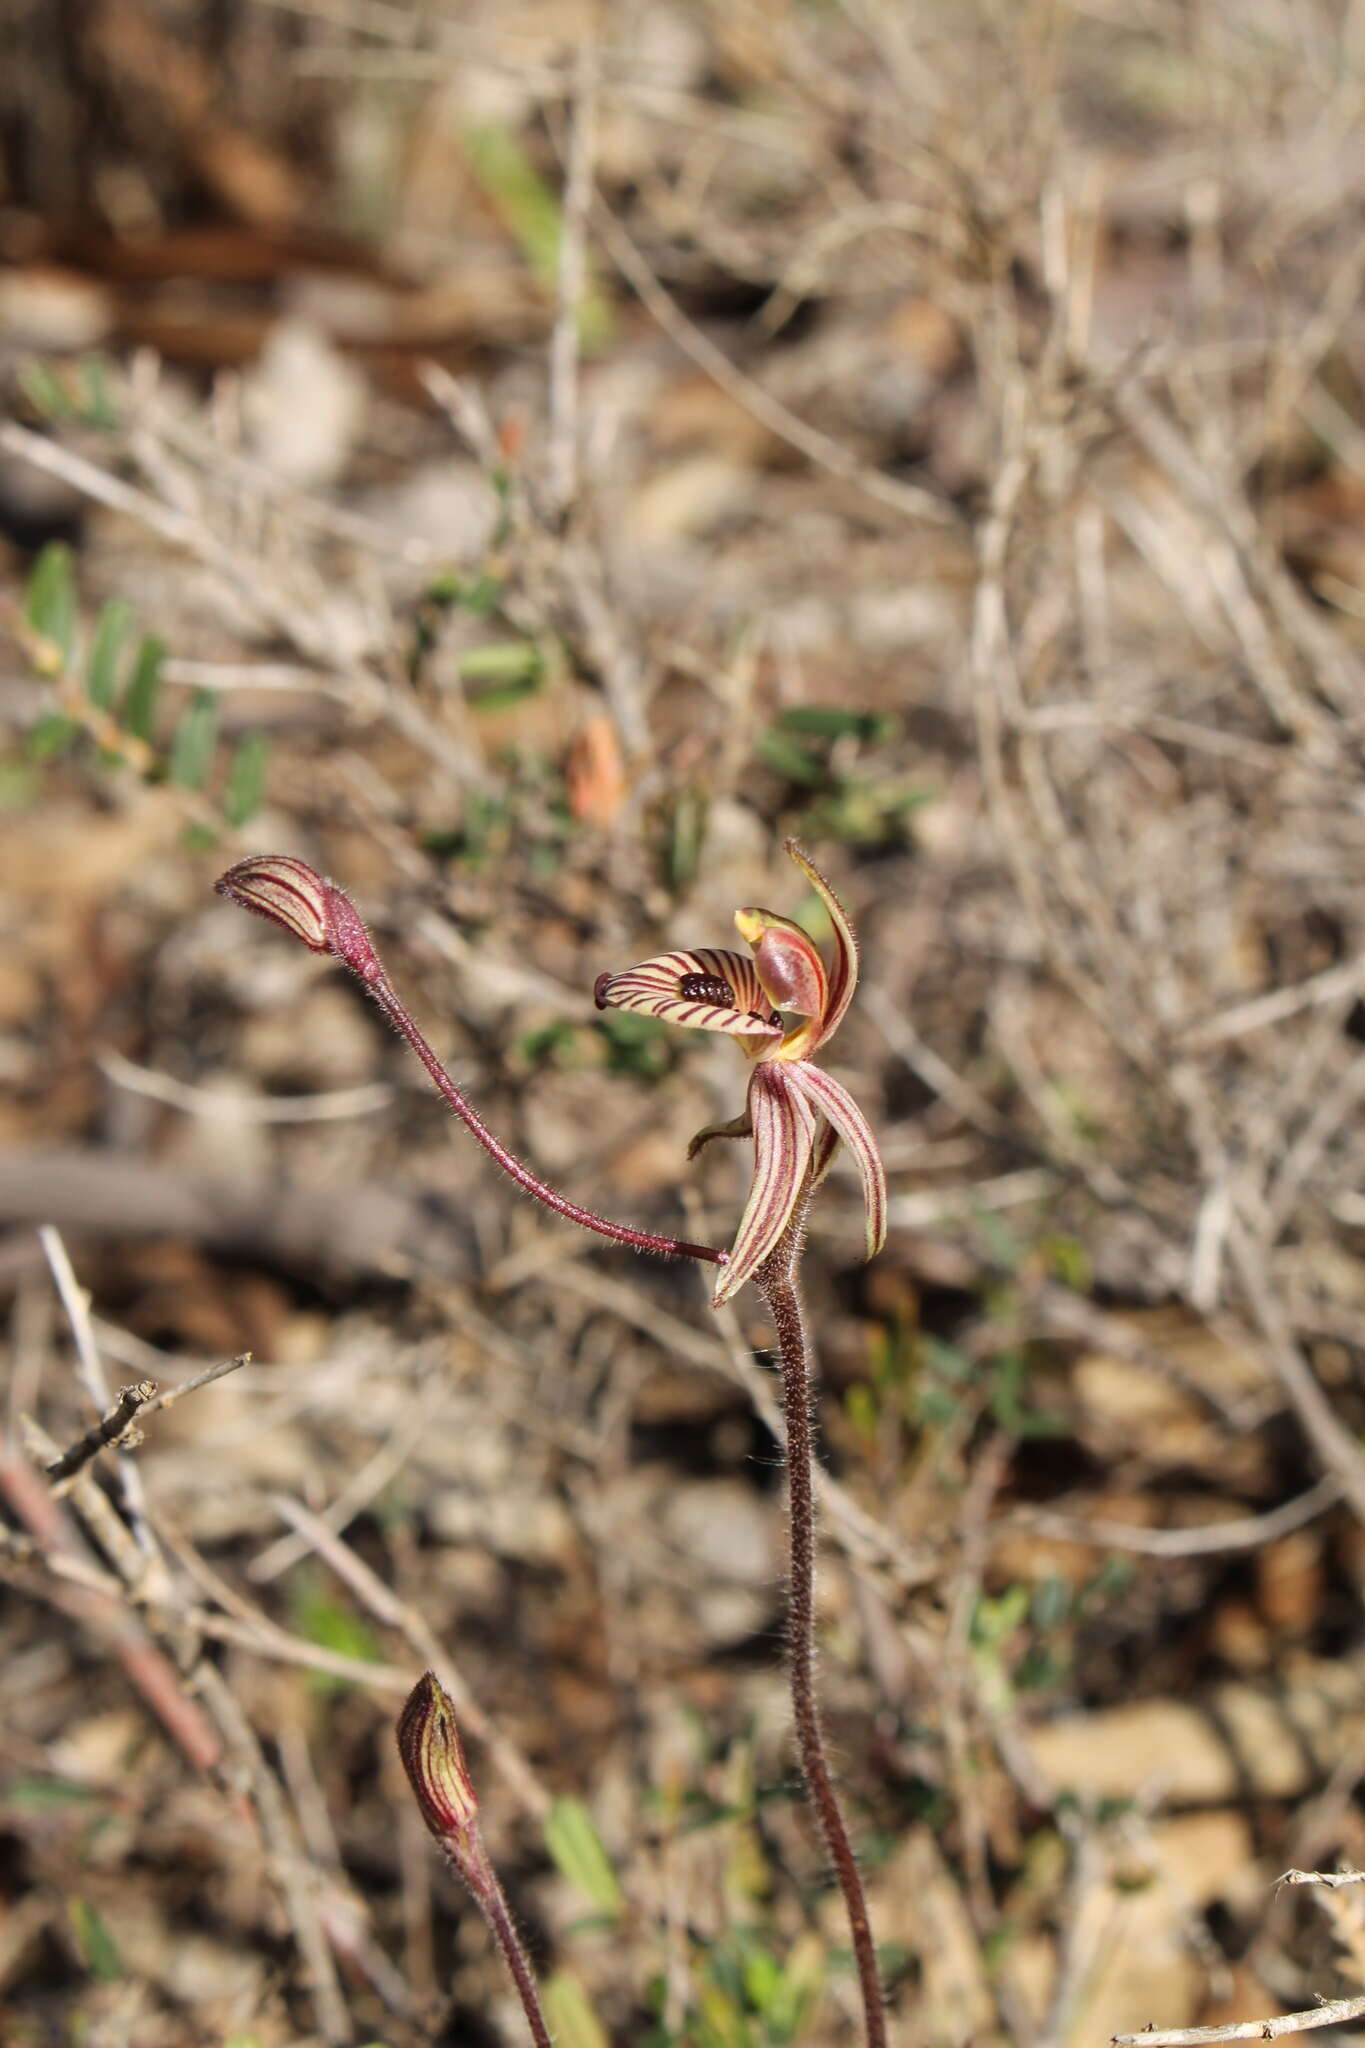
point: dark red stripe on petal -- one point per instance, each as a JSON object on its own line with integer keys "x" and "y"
{"x": 838, "y": 1107}
{"x": 784, "y": 1133}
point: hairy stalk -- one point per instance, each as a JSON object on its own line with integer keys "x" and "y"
{"x": 384, "y": 995}
{"x": 304, "y": 903}
{"x": 433, "y": 1757}
{"x": 496, "y": 1913}
{"x": 777, "y": 1281}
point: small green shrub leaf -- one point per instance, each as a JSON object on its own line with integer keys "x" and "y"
{"x": 195, "y": 736}
{"x": 101, "y": 673}
{"x": 137, "y": 713}
{"x": 572, "y": 2020}
{"x": 576, "y": 1846}
{"x": 51, "y": 735}
{"x": 97, "y": 1944}
{"x": 50, "y": 604}
{"x": 246, "y": 779}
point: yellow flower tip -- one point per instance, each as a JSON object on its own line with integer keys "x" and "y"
{"x": 433, "y": 1757}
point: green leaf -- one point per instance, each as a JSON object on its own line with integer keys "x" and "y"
{"x": 194, "y": 741}
{"x": 79, "y": 396}
{"x": 573, "y": 2023}
{"x": 834, "y": 722}
{"x": 320, "y": 1617}
{"x": 50, "y": 604}
{"x": 48, "y": 1795}
{"x": 1051, "y": 1603}
{"x": 19, "y": 783}
{"x": 862, "y": 1408}
{"x": 101, "y": 673}
{"x": 686, "y": 839}
{"x": 43, "y": 390}
{"x": 246, "y": 779}
{"x": 787, "y": 757}
{"x": 137, "y": 713}
{"x": 576, "y": 1846}
{"x": 481, "y": 596}
{"x": 1007, "y": 1402}
{"x": 501, "y": 673}
{"x": 531, "y": 214}
{"x": 946, "y": 1360}
{"x": 635, "y": 1044}
{"x": 98, "y": 1948}
{"x": 50, "y": 735}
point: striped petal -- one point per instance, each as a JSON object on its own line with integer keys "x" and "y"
{"x": 784, "y": 1135}
{"x": 741, "y": 1126}
{"x": 845, "y": 1117}
{"x": 843, "y": 978}
{"x": 826, "y": 1145}
{"x": 707, "y": 990}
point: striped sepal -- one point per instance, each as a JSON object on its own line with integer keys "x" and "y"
{"x": 845, "y": 1117}
{"x": 843, "y": 974}
{"x": 784, "y": 1134}
{"x": 707, "y": 990}
{"x": 826, "y": 1145}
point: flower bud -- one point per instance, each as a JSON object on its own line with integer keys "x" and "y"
{"x": 292, "y": 894}
{"x": 433, "y": 1757}
{"x": 288, "y": 891}
{"x": 788, "y": 962}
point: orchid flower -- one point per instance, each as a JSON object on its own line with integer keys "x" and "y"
{"x": 796, "y": 1113}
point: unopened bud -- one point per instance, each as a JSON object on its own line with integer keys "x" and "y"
{"x": 287, "y": 891}
{"x": 293, "y": 895}
{"x": 433, "y": 1757}
{"x": 788, "y": 962}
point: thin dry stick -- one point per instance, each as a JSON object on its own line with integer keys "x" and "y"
{"x": 384, "y": 1603}
{"x": 571, "y": 282}
{"x": 76, "y": 1303}
{"x": 111, "y": 1623}
{"x": 776, "y": 1281}
{"x": 1329, "y": 2014}
{"x": 1209, "y": 1539}
{"x": 296, "y": 1879}
{"x": 1330, "y": 1438}
{"x": 770, "y": 412}
{"x": 110, "y": 1429}
{"x": 218, "y": 1371}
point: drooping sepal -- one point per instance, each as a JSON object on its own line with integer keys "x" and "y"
{"x": 826, "y": 1148}
{"x": 784, "y": 1135}
{"x": 707, "y": 990}
{"x": 741, "y": 1126}
{"x": 845, "y": 1118}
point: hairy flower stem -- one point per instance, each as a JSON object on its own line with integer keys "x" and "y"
{"x": 382, "y": 992}
{"x": 493, "y": 1906}
{"x": 777, "y": 1281}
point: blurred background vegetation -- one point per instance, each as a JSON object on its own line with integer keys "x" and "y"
{"x": 527, "y": 459}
